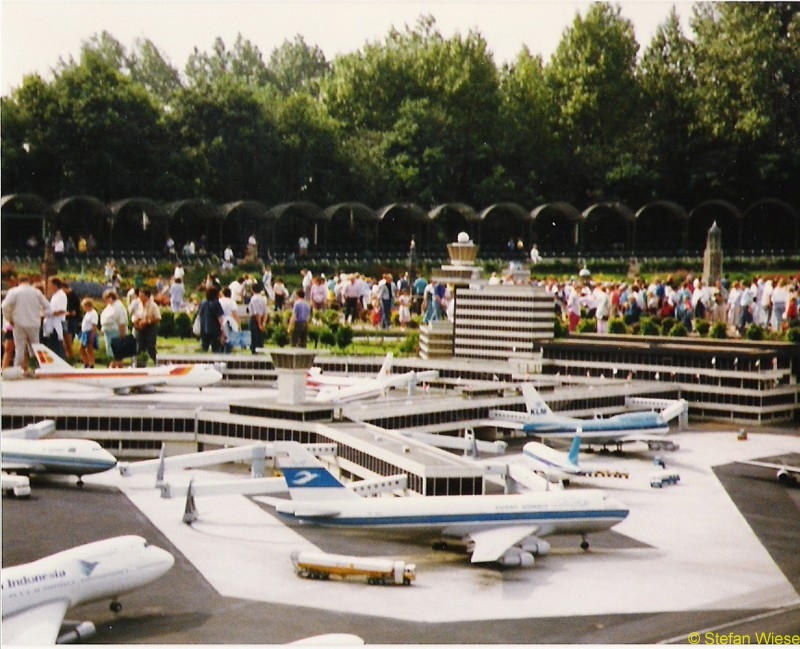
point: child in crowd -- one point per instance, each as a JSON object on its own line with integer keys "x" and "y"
{"x": 88, "y": 332}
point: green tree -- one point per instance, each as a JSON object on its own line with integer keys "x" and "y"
{"x": 89, "y": 131}
{"x": 149, "y": 68}
{"x": 670, "y": 100}
{"x": 594, "y": 89}
{"x": 380, "y": 90}
{"x": 297, "y": 66}
{"x": 527, "y": 135}
{"x": 225, "y": 141}
{"x": 243, "y": 62}
{"x": 746, "y": 66}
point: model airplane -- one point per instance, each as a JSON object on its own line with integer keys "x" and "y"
{"x": 23, "y": 452}
{"x": 494, "y": 529}
{"x": 555, "y": 464}
{"x": 37, "y": 595}
{"x": 123, "y": 380}
{"x": 649, "y": 427}
{"x": 341, "y": 389}
{"x": 788, "y": 475}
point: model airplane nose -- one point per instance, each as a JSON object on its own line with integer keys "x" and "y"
{"x": 619, "y": 506}
{"x": 162, "y": 559}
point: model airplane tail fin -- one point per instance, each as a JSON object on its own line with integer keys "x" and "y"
{"x": 386, "y": 368}
{"x": 314, "y": 483}
{"x": 574, "y": 450}
{"x": 48, "y": 360}
{"x": 534, "y": 403}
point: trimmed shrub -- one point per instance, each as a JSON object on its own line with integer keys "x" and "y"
{"x": 617, "y": 326}
{"x": 280, "y": 336}
{"x": 649, "y": 327}
{"x": 793, "y": 335}
{"x": 587, "y": 326}
{"x": 327, "y": 337}
{"x": 678, "y": 330}
{"x": 166, "y": 327}
{"x": 344, "y": 337}
{"x": 702, "y": 327}
{"x": 666, "y": 325}
{"x": 718, "y": 330}
{"x": 559, "y": 328}
{"x": 410, "y": 344}
{"x": 183, "y": 325}
{"x": 754, "y": 332}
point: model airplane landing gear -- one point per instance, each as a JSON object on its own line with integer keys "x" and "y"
{"x": 115, "y": 606}
{"x": 584, "y": 543}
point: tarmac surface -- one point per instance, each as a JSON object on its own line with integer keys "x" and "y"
{"x": 716, "y": 554}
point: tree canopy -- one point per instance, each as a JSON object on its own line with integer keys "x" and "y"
{"x": 423, "y": 118}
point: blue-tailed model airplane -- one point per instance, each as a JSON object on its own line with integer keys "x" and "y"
{"x": 506, "y": 529}
{"x": 644, "y": 426}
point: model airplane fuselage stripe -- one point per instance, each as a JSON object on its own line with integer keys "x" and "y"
{"x": 56, "y": 463}
{"x": 604, "y": 517}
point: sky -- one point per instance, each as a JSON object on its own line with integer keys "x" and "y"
{"x": 35, "y": 34}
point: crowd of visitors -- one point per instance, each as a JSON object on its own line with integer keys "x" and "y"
{"x": 220, "y": 310}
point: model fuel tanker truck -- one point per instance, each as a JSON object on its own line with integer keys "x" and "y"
{"x": 319, "y": 565}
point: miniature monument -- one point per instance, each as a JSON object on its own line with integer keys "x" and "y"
{"x": 712, "y": 257}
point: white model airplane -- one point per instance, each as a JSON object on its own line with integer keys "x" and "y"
{"x": 788, "y": 475}
{"x": 21, "y": 451}
{"x": 341, "y": 389}
{"x": 123, "y": 380}
{"x": 36, "y": 595}
{"x": 494, "y": 529}
{"x": 555, "y": 464}
{"x": 649, "y": 427}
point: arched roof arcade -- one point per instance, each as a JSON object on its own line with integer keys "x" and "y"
{"x": 607, "y": 226}
{"x": 556, "y": 226}
{"x": 449, "y": 219}
{"x": 85, "y": 216}
{"x": 502, "y": 223}
{"x": 661, "y": 227}
{"x": 726, "y": 215}
{"x": 769, "y": 225}
{"x": 23, "y": 216}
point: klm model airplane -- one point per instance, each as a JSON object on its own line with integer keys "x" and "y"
{"x": 646, "y": 426}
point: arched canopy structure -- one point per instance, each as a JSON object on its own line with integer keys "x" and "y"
{"x": 556, "y": 226}
{"x": 607, "y": 226}
{"x": 504, "y": 222}
{"x": 352, "y": 227}
{"x": 725, "y": 214}
{"x": 83, "y": 216}
{"x": 661, "y": 226}
{"x": 401, "y": 221}
{"x": 449, "y": 219}
{"x": 245, "y": 218}
{"x": 295, "y": 220}
{"x": 25, "y": 216}
{"x": 137, "y": 223}
{"x": 771, "y": 225}
{"x": 199, "y": 221}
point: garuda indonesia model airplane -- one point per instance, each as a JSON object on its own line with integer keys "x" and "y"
{"x": 645, "y": 426}
{"x": 506, "y": 529}
{"x": 37, "y": 595}
{"x": 123, "y": 380}
{"x": 341, "y": 389}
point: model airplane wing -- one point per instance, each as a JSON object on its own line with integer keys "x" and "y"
{"x": 492, "y": 544}
{"x": 772, "y": 465}
{"x": 35, "y": 626}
